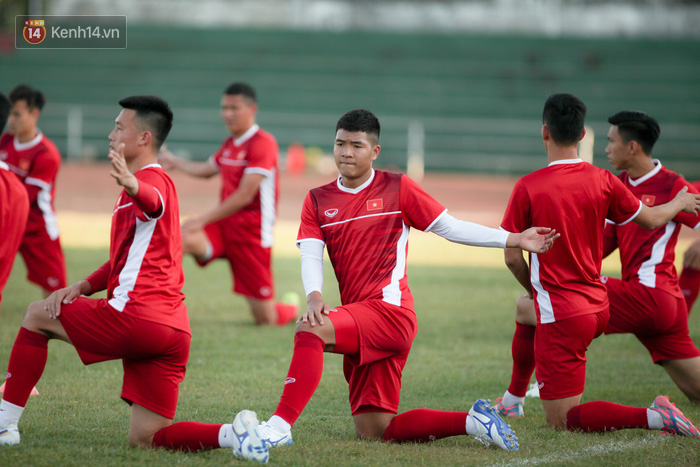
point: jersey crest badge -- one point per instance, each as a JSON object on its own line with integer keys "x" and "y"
{"x": 24, "y": 164}
{"x": 331, "y": 212}
{"x": 375, "y": 204}
{"x": 648, "y": 199}
{"x": 241, "y": 155}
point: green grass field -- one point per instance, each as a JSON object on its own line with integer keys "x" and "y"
{"x": 461, "y": 353}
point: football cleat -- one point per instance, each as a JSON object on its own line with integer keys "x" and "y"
{"x": 273, "y": 438}
{"x": 514, "y": 411}
{"x": 674, "y": 421}
{"x": 9, "y": 436}
{"x": 247, "y": 444}
{"x": 490, "y": 427}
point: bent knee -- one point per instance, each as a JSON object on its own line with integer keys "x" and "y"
{"x": 34, "y": 315}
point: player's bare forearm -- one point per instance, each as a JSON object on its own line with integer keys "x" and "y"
{"x": 518, "y": 267}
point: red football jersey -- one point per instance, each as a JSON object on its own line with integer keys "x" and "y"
{"x": 14, "y": 209}
{"x": 36, "y": 163}
{"x": 144, "y": 274}
{"x": 575, "y": 198}
{"x": 647, "y": 255}
{"x": 254, "y": 152}
{"x": 365, "y": 231}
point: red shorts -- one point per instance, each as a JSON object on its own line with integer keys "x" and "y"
{"x": 154, "y": 356}
{"x": 386, "y": 333}
{"x": 657, "y": 318}
{"x": 251, "y": 264}
{"x": 46, "y": 266}
{"x": 560, "y": 354}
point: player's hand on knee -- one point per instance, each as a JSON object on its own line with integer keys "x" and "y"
{"x": 315, "y": 310}
{"x": 64, "y": 296}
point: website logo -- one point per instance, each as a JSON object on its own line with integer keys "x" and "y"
{"x": 70, "y": 32}
{"x": 34, "y": 31}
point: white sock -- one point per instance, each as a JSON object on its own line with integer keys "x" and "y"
{"x": 471, "y": 426}
{"x": 510, "y": 400}
{"x": 226, "y": 435}
{"x": 9, "y": 413}
{"x": 654, "y": 419}
{"x": 279, "y": 424}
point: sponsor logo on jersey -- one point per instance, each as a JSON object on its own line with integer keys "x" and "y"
{"x": 375, "y": 204}
{"x": 648, "y": 199}
{"x": 34, "y": 31}
{"x": 540, "y": 385}
{"x": 331, "y": 212}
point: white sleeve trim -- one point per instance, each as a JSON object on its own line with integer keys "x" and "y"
{"x": 311, "y": 265}
{"x": 37, "y": 182}
{"x": 634, "y": 215}
{"x": 257, "y": 170}
{"x": 430, "y": 227}
{"x": 213, "y": 163}
{"x": 468, "y": 233}
{"x": 162, "y": 203}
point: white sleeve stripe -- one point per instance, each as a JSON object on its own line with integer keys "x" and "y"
{"x": 213, "y": 163}
{"x": 258, "y": 170}
{"x": 37, "y": 182}
{"x": 162, "y": 210}
{"x": 634, "y": 215}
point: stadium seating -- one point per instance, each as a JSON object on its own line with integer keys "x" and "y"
{"x": 479, "y": 98}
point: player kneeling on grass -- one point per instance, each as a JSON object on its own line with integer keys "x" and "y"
{"x": 576, "y": 198}
{"x": 143, "y": 321}
{"x": 363, "y": 219}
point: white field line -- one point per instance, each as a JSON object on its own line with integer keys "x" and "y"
{"x": 590, "y": 452}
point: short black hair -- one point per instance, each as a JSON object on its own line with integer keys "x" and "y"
{"x": 360, "y": 120}
{"x": 634, "y": 125}
{"x": 34, "y": 98}
{"x": 154, "y": 112}
{"x": 564, "y": 115}
{"x": 5, "y": 107}
{"x": 244, "y": 89}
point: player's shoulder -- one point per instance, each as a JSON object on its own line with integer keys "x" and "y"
{"x": 49, "y": 147}
{"x": 6, "y": 140}
{"x": 154, "y": 174}
{"x": 263, "y": 137}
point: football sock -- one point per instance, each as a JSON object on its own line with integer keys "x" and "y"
{"x": 510, "y": 400}
{"x": 303, "y": 377}
{"x": 523, "y": 351}
{"x": 655, "y": 420}
{"x": 598, "y": 416}
{"x": 285, "y": 313}
{"x": 27, "y": 362}
{"x": 689, "y": 282}
{"x": 9, "y": 413}
{"x": 279, "y": 424}
{"x": 423, "y": 425}
{"x": 193, "y": 436}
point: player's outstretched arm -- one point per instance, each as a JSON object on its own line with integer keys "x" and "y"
{"x": 169, "y": 161}
{"x": 64, "y": 296}
{"x": 654, "y": 217}
{"x": 534, "y": 239}
{"x": 315, "y": 309}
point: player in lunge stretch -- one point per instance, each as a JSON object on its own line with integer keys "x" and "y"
{"x": 363, "y": 219}
{"x": 689, "y": 279}
{"x": 240, "y": 228}
{"x": 570, "y": 302}
{"x": 35, "y": 160}
{"x": 143, "y": 321}
{"x": 14, "y": 209}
